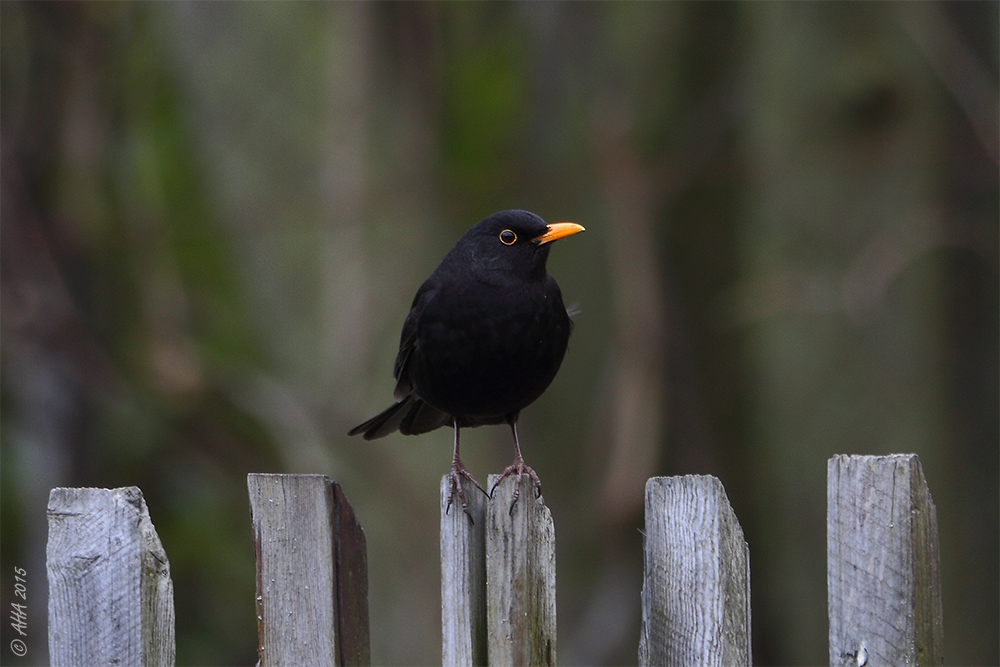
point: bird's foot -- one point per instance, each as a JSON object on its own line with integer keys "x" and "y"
{"x": 518, "y": 468}
{"x": 458, "y": 471}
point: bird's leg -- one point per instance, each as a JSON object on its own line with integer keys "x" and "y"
{"x": 518, "y": 468}
{"x": 457, "y": 472}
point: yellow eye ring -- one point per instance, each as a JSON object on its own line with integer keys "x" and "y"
{"x": 508, "y": 237}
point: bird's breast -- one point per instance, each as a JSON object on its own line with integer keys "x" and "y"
{"x": 484, "y": 351}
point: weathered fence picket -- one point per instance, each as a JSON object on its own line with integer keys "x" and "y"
{"x": 883, "y": 571}
{"x": 520, "y": 577}
{"x": 498, "y": 578}
{"x": 111, "y": 600}
{"x": 312, "y": 572}
{"x": 463, "y": 578}
{"x": 696, "y": 585}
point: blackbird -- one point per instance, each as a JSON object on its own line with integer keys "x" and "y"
{"x": 484, "y": 338}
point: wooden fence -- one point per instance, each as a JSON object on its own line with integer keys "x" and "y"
{"x": 111, "y": 597}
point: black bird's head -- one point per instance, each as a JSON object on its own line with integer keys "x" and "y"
{"x": 515, "y": 243}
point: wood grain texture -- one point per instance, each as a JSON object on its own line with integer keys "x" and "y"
{"x": 110, "y": 594}
{"x": 696, "y": 588}
{"x": 312, "y": 579}
{"x": 520, "y": 577}
{"x": 463, "y": 578}
{"x": 883, "y": 563}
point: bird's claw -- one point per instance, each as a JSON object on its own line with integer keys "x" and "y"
{"x": 518, "y": 468}
{"x": 456, "y": 474}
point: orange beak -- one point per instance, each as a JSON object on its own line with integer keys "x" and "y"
{"x": 558, "y": 230}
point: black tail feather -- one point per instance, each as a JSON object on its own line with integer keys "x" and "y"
{"x": 411, "y": 416}
{"x": 422, "y": 418}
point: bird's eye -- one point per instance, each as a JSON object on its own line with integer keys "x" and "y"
{"x": 508, "y": 237}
